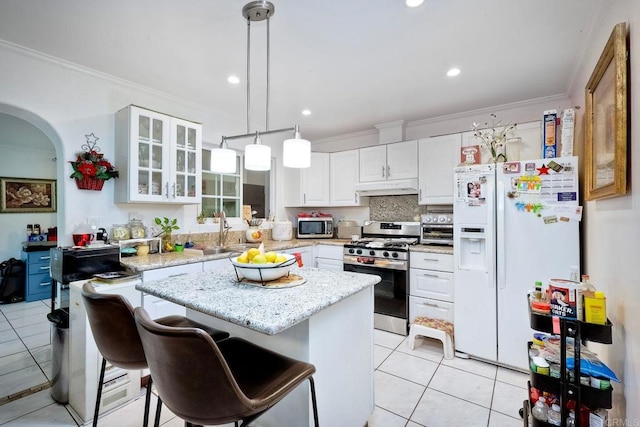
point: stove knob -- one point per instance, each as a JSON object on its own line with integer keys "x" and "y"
{"x": 442, "y": 219}
{"x": 372, "y": 253}
{"x": 449, "y": 219}
{"x": 385, "y": 254}
{"x": 394, "y": 255}
{"x": 359, "y": 251}
{"x": 351, "y": 251}
{"x": 427, "y": 219}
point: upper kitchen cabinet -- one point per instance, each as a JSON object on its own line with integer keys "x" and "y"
{"x": 308, "y": 186}
{"x": 344, "y": 175}
{"x": 437, "y": 158}
{"x": 391, "y": 161}
{"x": 159, "y": 157}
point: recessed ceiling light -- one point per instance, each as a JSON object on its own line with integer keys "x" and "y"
{"x": 234, "y": 80}
{"x": 453, "y": 72}
{"x": 306, "y": 112}
{"x": 413, "y": 3}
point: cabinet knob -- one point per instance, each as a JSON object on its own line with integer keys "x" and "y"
{"x": 388, "y": 171}
{"x": 383, "y": 169}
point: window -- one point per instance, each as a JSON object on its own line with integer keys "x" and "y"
{"x": 221, "y": 191}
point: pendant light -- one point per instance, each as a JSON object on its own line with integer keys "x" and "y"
{"x": 223, "y": 159}
{"x": 257, "y": 157}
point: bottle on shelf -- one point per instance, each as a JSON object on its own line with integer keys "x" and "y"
{"x": 586, "y": 283}
{"x": 574, "y": 274}
{"x": 553, "y": 415}
{"x": 571, "y": 419}
{"x": 540, "y": 410}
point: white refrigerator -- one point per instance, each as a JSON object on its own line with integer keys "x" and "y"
{"x": 514, "y": 223}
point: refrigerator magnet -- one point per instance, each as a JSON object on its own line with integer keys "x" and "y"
{"x": 550, "y": 219}
{"x": 555, "y": 166}
{"x": 530, "y": 167}
{"x": 511, "y": 167}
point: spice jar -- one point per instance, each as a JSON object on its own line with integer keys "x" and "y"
{"x": 137, "y": 229}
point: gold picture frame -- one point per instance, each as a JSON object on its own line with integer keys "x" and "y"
{"x": 20, "y": 195}
{"x": 606, "y": 126}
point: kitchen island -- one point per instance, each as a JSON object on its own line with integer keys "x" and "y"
{"x": 327, "y": 321}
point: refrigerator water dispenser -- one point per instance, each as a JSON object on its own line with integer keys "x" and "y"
{"x": 473, "y": 249}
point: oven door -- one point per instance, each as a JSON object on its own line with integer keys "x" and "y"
{"x": 390, "y": 295}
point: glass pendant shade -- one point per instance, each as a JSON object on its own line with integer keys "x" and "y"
{"x": 223, "y": 160}
{"x": 257, "y": 157}
{"x": 296, "y": 152}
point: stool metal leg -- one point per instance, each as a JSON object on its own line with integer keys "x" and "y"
{"x": 158, "y": 408}
{"x": 313, "y": 402}
{"x": 147, "y": 401}
{"x": 99, "y": 395}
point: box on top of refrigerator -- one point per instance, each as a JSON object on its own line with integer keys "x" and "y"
{"x": 549, "y": 140}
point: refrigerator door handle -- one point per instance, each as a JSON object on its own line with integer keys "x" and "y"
{"x": 501, "y": 252}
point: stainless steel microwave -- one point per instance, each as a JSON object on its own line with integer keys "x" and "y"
{"x": 315, "y": 228}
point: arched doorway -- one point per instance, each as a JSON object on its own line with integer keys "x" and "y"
{"x": 31, "y": 149}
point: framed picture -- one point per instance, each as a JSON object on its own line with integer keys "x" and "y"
{"x": 606, "y": 126}
{"x": 18, "y": 195}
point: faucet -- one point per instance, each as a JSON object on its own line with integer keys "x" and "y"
{"x": 224, "y": 229}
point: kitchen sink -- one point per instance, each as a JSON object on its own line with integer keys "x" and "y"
{"x": 213, "y": 250}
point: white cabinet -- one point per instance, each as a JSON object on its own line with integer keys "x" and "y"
{"x": 306, "y": 252}
{"x": 309, "y": 186}
{"x": 344, "y": 175}
{"x": 158, "y": 307}
{"x": 329, "y": 257}
{"x": 391, "y": 161}
{"x": 431, "y": 285}
{"x": 437, "y": 158}
{"x": 158, "y": 157}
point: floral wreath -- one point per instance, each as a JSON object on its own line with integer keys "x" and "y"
{"x": 91, "y": 162}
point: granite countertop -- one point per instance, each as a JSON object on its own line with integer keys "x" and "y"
{"x": 170, "y": 259}
{"x": 270, "y": 311}
{"x": 139, "y": 264}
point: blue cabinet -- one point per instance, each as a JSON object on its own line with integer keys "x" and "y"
{"x": 38, "y": 282}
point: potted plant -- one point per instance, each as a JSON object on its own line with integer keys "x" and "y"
{"x": 167, "y": 226}
{"x": 201, "y": 217}
{"x": 90, "y": 168}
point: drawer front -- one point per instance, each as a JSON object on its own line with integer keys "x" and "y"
{"x": 329, "y": 251}
{"x": 38, "y": 287}
{"x": 37, "y": 268}
{"x": 178, "y": 270}
{"x": 431, "y": 261}
{"x": 431, "y": 284}
{"x": 430, "y": 308}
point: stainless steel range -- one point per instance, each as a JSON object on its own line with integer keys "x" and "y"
{"x": 383, "y": 250}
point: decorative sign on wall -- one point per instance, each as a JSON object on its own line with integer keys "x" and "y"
{"x": 19, "y": 195}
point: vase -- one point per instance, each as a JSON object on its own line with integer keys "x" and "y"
{"x": 253, "y": 234}
{"x": 89, "y": 183}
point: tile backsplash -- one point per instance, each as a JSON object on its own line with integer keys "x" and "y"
{"x": 395, "y": 208}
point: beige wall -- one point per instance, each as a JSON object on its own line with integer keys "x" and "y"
{"x": 611, "y": 227}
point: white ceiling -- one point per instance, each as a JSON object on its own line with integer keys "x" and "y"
{"x": 353, "y": 63}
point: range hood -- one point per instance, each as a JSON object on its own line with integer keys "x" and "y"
{"x": 391, "y": 187}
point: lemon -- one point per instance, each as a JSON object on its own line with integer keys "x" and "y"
{"x": 279, "y": 259}
{"x": 243, "y": 258}
{"x": 251, "y": 253}
{"x": 270, "y": 256}
{"x": 259, "y": 259}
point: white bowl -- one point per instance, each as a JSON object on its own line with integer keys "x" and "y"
{"x": 264, "y": 272}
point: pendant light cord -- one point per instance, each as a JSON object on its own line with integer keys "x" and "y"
{"x": 268, "y": 63}
{"x": 248, "y": 68}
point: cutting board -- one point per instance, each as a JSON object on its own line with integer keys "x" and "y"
{"x": 284, "y": 282}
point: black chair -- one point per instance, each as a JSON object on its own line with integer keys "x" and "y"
{"x": 227, "y": 381}
{"x": 116, "y": 336}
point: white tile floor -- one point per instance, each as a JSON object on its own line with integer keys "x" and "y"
{"x": 413, "y": 388}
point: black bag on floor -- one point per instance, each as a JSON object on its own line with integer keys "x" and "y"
{"x": 12, "y": 280}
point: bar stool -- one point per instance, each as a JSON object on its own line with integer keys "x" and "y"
{"x": 116, "y": 336}
{"x": 227, "y": 381}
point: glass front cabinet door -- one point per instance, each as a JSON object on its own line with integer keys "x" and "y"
{"x": 158, "y": 157}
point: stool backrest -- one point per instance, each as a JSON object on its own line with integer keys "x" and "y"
{"x": 114, "y": 328}
{"x": 190, "y": 373}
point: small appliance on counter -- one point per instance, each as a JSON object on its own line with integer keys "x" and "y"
{"x": 437, "y": 228}
{"x": 282, "y": 230}
{"x": 314, "y": 226}
{"x": 347, "y": 228}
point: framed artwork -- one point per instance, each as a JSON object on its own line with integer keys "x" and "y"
{"x": 606, "y": 128}
{"x": 18, "y": 195}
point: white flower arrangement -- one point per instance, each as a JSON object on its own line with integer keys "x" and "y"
{"x": 493, "y": 138}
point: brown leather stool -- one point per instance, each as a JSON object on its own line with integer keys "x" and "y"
{"x": 116, "y": 336}
{"x": 226, "y": 381}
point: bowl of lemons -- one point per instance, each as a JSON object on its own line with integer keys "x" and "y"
{"x": 263, "y": 267}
